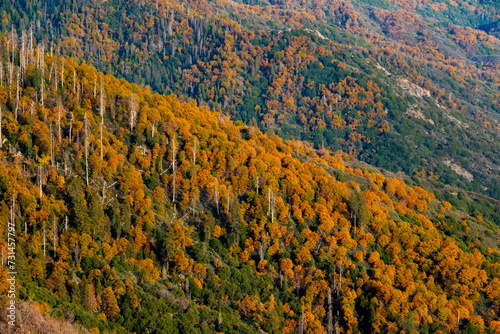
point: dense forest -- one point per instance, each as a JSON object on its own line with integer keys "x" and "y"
{"x": 251, "y": 166}
{"x": 408, "y": 86}
{"x": 138, "y": 212}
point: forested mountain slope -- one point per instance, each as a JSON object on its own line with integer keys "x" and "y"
{"x": 403, "y": 85}
{"x": 136, "y": 212}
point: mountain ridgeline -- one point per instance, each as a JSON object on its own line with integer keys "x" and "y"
{"x": 405, "y": 86}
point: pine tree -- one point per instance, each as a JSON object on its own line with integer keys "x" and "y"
{"x": 85, "y": 296}
{"x": 96, "y": 215}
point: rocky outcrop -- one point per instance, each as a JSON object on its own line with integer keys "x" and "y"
{"x": 459, "y": 170}
{"x": 413, "y": 89}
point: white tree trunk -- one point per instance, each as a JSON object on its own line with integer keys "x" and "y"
{"x": 85, "y": 125}
{"x": 1, "y": 139}
{"x": 133, "y": 112}
{"x": 174, "y": 170}
{"x": 101, "y": 107}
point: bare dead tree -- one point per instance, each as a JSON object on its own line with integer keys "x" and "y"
{"x": 1, "y": 73}
{"x": 44, "y": 240}
{"x": 41, "y": 97}
{"x": 330, "y": 312}
{"x": 13, "y": 208}
{"x": 71, "y": 127}
{"x": 86, "y": 126}
{"x": 54, "y": 65}
{"x": 133, "y": 112}
{"x": 18, "y": 84}
{"x": 1, "y": 139}
{"x": 55, "y": 236}
{"x": 170, "y": 23}
{"x": 78, "y": 88}
{"x": 77, "y": 253}
{"x": 23, "y": 59}
{"x": 193, "y": 174}
{"x": 101, "y": 109}
{"x": 40, "y": 176}
{"x": 174, "y": 170}
{"x": 51, "y": 145}
{"x": 302, "y": 322}
{"x": 62, "y": 73}
{"x": 263, "y": 248}
{"x": 42, "y": 59}
{"x": 194, "y": 151}
{"x": 228, "y": 198}
{"x": 31, "y": 40}
{"x": 10, "y": 68}
{"x": 59, "y": 133}
{"x": 13, "y": 47}
{"x": 271, "y": 201}
{"x": 216, "y": 194}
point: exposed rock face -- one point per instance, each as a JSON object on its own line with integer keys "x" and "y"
{"x": 317, "y": 33}
{"x": 413, "y": 89}
{"x": 380, "y": 67}
{"x": 418, "y": 114}
{"x": 459, "y": 170}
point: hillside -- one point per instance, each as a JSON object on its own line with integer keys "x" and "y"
{"x": 137, "y": 212}
{"x": 404, "y": 85}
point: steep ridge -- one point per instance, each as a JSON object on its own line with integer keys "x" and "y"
{"x": 314, "y": 71}
{"x": 136, "y": 212}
